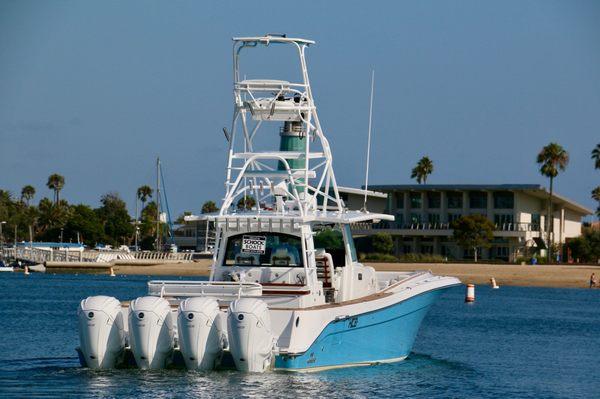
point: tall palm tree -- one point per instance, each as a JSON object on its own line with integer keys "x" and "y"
{"x": 56, "y": 183}
{"x": 143, "y": 193}
{"x": 423, "y": 169}
{"x": 596, "y": 156}
{"x": 552, "y": 159}
{"x": 596, "y": 196}
{"x": 27, "y": 193}
{"x": 596, "y": 193}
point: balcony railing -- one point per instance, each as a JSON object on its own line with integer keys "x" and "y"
{"x": 386, "y": 225}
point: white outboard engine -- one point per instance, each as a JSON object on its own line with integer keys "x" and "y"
{"x": 200, "y": 338}
{"x": 101, "y": 332}
{"x": 150, "y": 331}
{"x": 249, "y": 334}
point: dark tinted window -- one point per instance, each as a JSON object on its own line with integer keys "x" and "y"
{"x": 477, "y": 200}
{"x": 504, "y": 200}
{"x": 264, "y": 249}
{"x": 455, "y": 200}
{"x": 434, "y": 200}
{"x": 415, "y": 200}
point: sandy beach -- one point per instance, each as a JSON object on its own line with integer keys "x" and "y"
{"x": 505, "y": 274}
{"x": 568, "y": 276}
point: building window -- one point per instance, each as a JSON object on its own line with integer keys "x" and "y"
{"x": 445, "y": 251}
{"x": 415, "y": 218}
{"x": 453, "y": 216}
{"x": 433, "y": 218}
{"x": 500, "y": 253}
{"x": 455, "y": 200}
{"x": 406, "y": 249}
{"x": 399, "y": 219}
{"x": 434, "y": 200}
{"x": 427, "y": 249}
{"x": 504, "y": 221}
{"x": 536, "y": 220}
{"x": 399, "y": 200}
{"x": 415, "y": 200}
{"x": 478, "y": 200}
{"x": 504, "y": 200}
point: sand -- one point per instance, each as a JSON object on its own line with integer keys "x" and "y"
{"x": 505, "y": 274}
{"x": 569, "y": 276}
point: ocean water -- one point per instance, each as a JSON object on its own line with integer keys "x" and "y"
{"x": 512, "y": 342}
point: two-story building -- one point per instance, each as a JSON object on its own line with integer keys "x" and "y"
{"x": 424, "y": 213}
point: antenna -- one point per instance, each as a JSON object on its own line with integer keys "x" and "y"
{"x": 369, "y": 140}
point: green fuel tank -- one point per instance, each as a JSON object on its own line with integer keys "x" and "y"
{"x": 293, "y": 139}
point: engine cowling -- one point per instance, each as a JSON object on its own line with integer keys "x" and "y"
{"x": 249, "y": 334}
{"x": 101, "y": 332}
{"x": 151, "y": 331}
{"x": 200, "y": 338}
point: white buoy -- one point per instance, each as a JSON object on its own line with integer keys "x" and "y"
{"x": 470, "y": 293}
{"x": 112, "y": 272}
{"x": 493, "y": 283}
{"x": 26, "y": 270}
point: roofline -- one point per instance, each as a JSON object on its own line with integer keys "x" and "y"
{"x": 532, "y": 188}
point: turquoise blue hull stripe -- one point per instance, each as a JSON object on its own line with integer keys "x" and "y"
{"x": 382, "y": 335}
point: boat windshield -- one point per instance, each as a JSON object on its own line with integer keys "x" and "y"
{"x": 264, "y": 249}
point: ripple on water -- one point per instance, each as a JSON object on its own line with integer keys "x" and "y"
{"x": 514, "y": 342}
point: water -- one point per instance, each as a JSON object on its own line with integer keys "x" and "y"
{"x": 513, "y": 342}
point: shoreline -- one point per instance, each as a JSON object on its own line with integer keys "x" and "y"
{"x": 556, "y": 276}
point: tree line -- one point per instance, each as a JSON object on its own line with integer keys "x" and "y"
{"x": 57, "y": 220}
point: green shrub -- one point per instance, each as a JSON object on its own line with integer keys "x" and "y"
{"x": 378, "y": 257}
{"x": 383, "y": 243}
{"x": 417, "y": 258}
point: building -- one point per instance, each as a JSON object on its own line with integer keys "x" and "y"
{"x": 196, "y": 234}
{"x": 424, "y": 212}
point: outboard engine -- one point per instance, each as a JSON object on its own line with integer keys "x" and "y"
{"x": 150, "y": 331}
{"x": 200, "y": 338}
{"x": 249, "y": 334}
{"x": 101, "y": 332}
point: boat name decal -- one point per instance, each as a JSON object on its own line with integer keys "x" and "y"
{"x": 254, "y": 244}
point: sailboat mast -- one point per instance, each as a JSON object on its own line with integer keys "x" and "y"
{"x": 158, "y": 246}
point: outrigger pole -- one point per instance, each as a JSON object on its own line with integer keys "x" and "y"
{"x": 364, "y": 208}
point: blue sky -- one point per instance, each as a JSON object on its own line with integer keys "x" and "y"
{"x": 96, "y": 90}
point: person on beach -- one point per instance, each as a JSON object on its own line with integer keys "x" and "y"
{"x": 593, "y": 281}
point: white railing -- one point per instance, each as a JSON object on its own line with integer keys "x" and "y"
{"x": 38, "y": 255}
{"x": 163, "y": 255}
{"x": 200, "y": 288}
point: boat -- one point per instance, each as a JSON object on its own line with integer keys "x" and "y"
{"x": 286, "y": 290}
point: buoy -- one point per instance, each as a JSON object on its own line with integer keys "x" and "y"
{"x": 493, "y": 283}
{"x": 112, "y": 272}
{"x": 26, "y": 270}
{"x": 470, "y": 293}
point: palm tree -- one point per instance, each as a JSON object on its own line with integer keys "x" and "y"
{"x": 596, "y": 156}
{"x": 423, "y": 169}
{"x": 209, "y": 207}
{"x": 596, "y": 196}
{"x": 596, "y": 193}
{"x": 552, "y": 159}
{"x": 143, "y": 193}
{"x": 27, "y": 193}
{"x": 56, "y": 183}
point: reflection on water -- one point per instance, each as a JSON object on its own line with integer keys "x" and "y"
{"x": 513, "y": 342}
